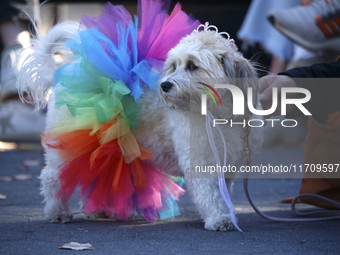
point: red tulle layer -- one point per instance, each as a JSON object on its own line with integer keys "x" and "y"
{"x": 106, "y": 182}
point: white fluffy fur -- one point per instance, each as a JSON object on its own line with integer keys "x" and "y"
{"x": 38, "y": 62}
{"x": 167, "y": 124}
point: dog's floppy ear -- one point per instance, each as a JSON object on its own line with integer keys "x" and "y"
{"x": 242, "y": 73}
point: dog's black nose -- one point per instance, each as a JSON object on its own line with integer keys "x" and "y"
{"x": 166, "y": 86}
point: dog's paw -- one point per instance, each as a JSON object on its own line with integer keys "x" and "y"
{"x": 219, "y": 223}
{"x": 95, "y": 215}
{"x": 61, "y": 218}
{"x": 56, "y": 212}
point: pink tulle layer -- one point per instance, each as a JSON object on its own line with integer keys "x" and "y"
{"x": 107, "y": 182}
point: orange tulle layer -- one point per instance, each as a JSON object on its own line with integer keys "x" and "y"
{"x": 107, "y": 182}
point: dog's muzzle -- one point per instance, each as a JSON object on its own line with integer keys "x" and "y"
{"x": 166, "y": 86}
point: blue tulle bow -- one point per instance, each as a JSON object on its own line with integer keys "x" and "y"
{"x": 119, "y": 62}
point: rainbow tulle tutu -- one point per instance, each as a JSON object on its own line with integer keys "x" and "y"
{"x": 117, "y": 58}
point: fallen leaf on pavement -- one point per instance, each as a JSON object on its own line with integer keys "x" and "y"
{"x": 77, "y": 246}
{"x": 18, "y": 177}
{"x": 2, "y": 197}
{"x": 31, "y": 162}
{"x": 22, "y": 177}
{"x": 6, "y": 179}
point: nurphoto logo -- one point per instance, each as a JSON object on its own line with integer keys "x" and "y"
{"x": 239, "y": 103}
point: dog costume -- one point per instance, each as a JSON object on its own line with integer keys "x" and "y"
{"x": 117, "y": 58}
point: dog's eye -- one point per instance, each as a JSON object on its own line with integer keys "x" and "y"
{"x": 191, "y": 67}
{"x": 171, "y": 68}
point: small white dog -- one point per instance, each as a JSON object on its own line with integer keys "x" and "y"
{"x": 172, "y": 126}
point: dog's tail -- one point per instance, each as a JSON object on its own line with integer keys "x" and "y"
{"x": 36, "y": 65}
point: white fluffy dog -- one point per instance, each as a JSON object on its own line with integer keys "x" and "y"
{"x": 172, "y": 126}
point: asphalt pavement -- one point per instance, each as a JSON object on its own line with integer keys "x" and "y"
{"x": 23, "y": 229}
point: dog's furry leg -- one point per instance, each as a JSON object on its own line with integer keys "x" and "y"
{"x": 55, "y": 210}
{"x": 35, "y": 74}
{"x": 203, "y": 189}
{"x": 206, "y": 195}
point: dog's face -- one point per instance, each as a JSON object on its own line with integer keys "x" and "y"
{"x": 203, "y": 56}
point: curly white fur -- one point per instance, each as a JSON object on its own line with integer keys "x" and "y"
{"x": 38, "y": 62}
{"x": 171, "y": 125}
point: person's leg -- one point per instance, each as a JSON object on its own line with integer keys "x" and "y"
{"x": 17, "y": 120}
{"x": 14, "y": 35}
{"x": 14, "y": 32}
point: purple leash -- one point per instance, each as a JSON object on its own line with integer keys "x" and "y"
{"x": 333, "y": 214}
{"x": 221, "y": 180}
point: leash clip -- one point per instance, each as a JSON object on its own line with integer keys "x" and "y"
{"x": 245, "y": 135}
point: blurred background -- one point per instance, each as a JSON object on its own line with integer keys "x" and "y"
{"x": 245, "y": 20}
{"x": 227, "y": 15}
